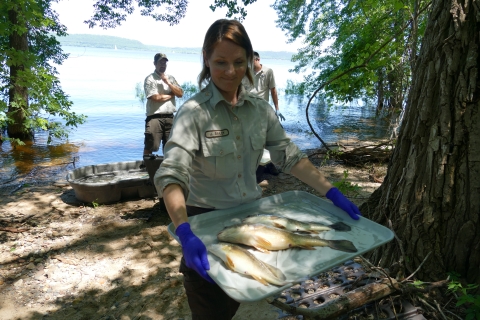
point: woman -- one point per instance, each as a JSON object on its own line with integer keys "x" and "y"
{"x": 216, "y": 143}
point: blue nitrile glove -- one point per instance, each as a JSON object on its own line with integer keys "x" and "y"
{"x": 194, "y": 251}
{"x": 343, "y": 203}
{"x": 280, "y": 115}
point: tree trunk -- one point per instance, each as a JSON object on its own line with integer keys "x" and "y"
{"x": 431, "y": 194}
{"x": 18, "y": 93}
{"x": 380, "y": 92}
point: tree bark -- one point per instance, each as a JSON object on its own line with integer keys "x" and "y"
{"x": 18, "y": 93}
{"x": 431, "y": 194}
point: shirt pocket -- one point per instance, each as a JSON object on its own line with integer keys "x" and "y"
{"x": 219, "y": 158}
{"x": 258, "y": 144}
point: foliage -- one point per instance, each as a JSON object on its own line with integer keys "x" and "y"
{"x": 189, "y": 89}
{"x": 347, "y": 187}
{"x": 331, "y": 154}
{"x": 234, "y": 10}
{"x": 295, "y": 88}
{"x": 364, "y": 39}
{"x": 140, "y": 93}
{"x": 48, "y": 107}
{"x": 464, "y": 298}
{"x": 111, "y": 13}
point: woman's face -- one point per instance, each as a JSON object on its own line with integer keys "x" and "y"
{"x": 228, "y": 65}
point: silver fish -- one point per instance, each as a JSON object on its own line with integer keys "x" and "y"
{"x": 295, "y": 225}
{"x": 240, "y": 260}
{"x": 265, "y": 238}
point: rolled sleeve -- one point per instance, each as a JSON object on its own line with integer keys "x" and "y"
{"x": 165, "y": 176}
{"x": 150, "y": 87}
{"x": 176, "y": 168}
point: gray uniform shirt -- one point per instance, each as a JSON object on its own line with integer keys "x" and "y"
{"x": 214, "y": 150}
{"x": 263, "y": 82}
{"x": 153, "y": 84}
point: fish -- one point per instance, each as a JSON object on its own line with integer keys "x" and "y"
{"x": 295, "y": 225}
{"x": 240, "y": 260}
{"x": 265, "y": 238}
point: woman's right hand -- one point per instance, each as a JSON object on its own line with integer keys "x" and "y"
{"x": 194, "y": 251}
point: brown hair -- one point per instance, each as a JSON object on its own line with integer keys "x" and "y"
{"x": 224, "y": 29}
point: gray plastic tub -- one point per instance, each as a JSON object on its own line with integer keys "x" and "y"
{"x": 111, "y": 182}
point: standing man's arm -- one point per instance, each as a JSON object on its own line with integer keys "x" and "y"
{"x": 151, "y": 91}
{"x": 273, "y": 91}
{"x": 176, "y": 89}
{"x": 161, "y": 97}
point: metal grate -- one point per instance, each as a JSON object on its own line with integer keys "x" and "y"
{"x": 330, "y": 285}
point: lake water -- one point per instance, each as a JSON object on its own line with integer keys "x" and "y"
{"x": 101, "y": 83}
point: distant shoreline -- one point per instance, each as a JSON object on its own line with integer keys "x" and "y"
{"x": 109, "y": 42}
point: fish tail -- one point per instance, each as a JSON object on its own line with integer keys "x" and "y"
{"x": 259, "y": 279}
{"x": 275, "y": 271}
{"x": 342, "y": 245}
{"x": 340, "y": 226}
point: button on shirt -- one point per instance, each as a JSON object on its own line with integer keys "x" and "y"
{"x": 153, "y": 84}
{"x": 214, "y": 149}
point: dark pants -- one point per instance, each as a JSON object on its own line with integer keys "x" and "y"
{"x": 157, "y": 129}
{"x": 207, "y": 300}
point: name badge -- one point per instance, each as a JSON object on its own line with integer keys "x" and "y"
{"x": 216, "y": 133}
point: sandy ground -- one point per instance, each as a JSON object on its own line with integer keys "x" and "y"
{"x": 75, "y": 260}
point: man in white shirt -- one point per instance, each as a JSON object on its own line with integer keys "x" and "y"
{"x": 160, "y": 91}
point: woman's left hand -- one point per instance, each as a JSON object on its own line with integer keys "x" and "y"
{"x": 343, "y": 203}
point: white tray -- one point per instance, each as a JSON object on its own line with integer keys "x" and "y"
{"x": 265, "y": 158}
{"x": 297, "y": 264}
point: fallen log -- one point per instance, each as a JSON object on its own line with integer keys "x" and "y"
{"x": 358, "y": 156}
{"x": 343, "y": 304}
{"x": 366, "y": 154}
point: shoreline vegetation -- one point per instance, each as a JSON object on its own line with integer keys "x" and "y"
{"x": 111, "y": 42}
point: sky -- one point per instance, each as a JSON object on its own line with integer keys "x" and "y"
{"x": 190, "y": 32}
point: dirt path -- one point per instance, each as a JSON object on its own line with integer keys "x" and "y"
{"x": 74, "y": 261}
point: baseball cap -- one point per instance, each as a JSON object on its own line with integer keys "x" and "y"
{"x": 160, "y": 56}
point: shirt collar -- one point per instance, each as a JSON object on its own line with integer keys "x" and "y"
{"x": 259, "y": 71}
{"x": 217, "y": 96}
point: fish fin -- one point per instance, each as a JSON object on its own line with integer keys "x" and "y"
{"x": 262, "y": 243}
{"x": 261, "y": 249}
{"x": 278, "y": 225}
{"x": 306, "y": 247}
{"x": 229, "y": 263}
{"x": 275, "y": 271}
{"x": 342, "y": 245}
{"x": 340, "y": 226}
{"x": 259, "y": 279}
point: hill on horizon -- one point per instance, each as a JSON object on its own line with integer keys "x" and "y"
{"x": 101, "y": 41}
